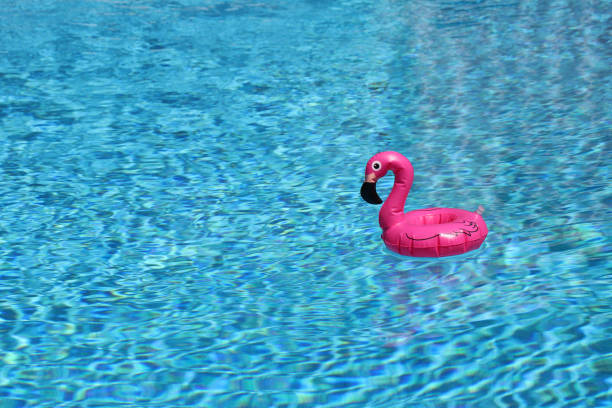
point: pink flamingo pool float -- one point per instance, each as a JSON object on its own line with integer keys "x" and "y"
{"x": 430, "y": 232}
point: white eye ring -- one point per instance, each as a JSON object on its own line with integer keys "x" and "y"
{"x": 376, "y": 165}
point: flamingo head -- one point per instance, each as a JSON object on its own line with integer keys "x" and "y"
{"x": 376, "y": 168}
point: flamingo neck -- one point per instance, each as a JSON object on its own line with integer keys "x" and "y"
{"x": 392, "y": 211}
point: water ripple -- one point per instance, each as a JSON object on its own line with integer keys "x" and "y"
{"x": 181, "y": 219}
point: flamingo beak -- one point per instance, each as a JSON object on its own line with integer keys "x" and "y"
{"x": 368, "y": 190}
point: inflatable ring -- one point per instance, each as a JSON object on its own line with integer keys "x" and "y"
{"x": 430, "y": 232}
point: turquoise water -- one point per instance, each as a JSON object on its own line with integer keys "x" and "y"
{"x": 181, "y": 223}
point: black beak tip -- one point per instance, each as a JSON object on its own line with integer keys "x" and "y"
{"x": 369, "y": 194}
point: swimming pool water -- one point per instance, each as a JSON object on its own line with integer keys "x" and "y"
{"x": 181, "y": 223}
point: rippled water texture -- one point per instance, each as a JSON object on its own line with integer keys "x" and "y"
{"x": 181, "y": 223}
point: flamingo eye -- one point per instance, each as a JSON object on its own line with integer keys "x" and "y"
{"x": 376, "y": 165}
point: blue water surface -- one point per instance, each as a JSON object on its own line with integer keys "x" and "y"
{"x": 181, "y": 223}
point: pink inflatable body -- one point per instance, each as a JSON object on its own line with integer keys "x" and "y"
{"x": 430, "y": 232}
